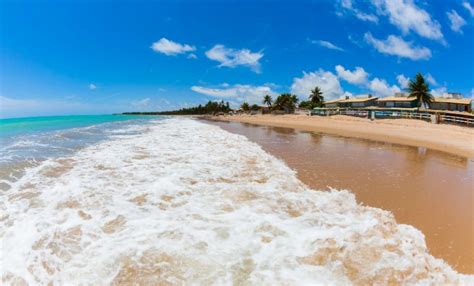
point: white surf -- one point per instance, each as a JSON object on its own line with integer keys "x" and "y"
{"x": 183, "y": 202}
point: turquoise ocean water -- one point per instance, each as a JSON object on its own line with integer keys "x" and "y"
{"x": 31, "y": 125}
{"x": 26, "y": 142}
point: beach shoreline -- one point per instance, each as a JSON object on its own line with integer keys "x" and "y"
{"x": 452, "y": 139}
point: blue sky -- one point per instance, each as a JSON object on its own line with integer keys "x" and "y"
{"x": 93, "y": 57}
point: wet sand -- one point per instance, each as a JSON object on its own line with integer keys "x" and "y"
{"x": 428, "y": 189}
{"x": 453, "y": 139}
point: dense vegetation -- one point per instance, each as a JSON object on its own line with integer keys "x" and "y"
{"x": 212, "y": 107}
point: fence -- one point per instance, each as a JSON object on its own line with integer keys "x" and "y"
{"x": 403, "y": 114}
{"x": 457, "y": 120}
{"x": 381, "y": 114}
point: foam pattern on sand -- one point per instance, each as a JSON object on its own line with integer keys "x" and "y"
{"x": 182, "y": 202}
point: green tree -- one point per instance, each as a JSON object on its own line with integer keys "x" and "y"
{"x": 245, "y": 107}
{"x": 306, "y": 104}
{"x": 316, "y": 97}
{"x": 420, "y": 89}
{"x": 267, "y": 99}
{"x": 254, "y": 107}
{"x": 286, "y": 102}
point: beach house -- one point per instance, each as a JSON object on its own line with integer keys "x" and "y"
{"x": 360, "y": 101}
{"x": 399, "y": 100}
{"x": 332, "y": 103}
{"x": 452, "y": 102}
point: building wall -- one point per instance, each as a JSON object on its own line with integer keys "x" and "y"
{"x": 450, "y": 106}
{"x": 402, "y": 104}
{"x": 359, "y": 104}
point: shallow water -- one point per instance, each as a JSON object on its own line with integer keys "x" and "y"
{"x": 183, "y": 202}
{"x": 27, "y": 142}
{"x": 434, "y": 191}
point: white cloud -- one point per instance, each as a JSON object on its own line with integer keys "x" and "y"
{"x": 407, "y": 16}
{"x": 430, "y": 79}
{"x": 358, "y": 76}
{"x": 171, "y": 48}
{"x": 231, "y": 58}
{"x": 379, "y": 87}
{"x": 439, "y": 92}
{"x": 403, "y": 81}
{"x": 192, "y": 56}
{"x": 239, "y": 92}
{"x": 92, "y": 86}
{"x": 456, "y": 21}
{"x": 469, "y": 8}
{"x": 347, "y": 95}
{"x": 328, "y": 45}
{"x": 472, "y": 93}
{"x": 366, "y": 17}
{"x": 348, "y": 5}
{"x": 327, "y": 82}
{"x": 396, "y": 46}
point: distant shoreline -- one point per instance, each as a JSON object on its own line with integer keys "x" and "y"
{"x": 447, "y": 138}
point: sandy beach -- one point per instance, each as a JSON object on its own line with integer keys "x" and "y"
{"x": 456, "y": 140}
{"x": 414, "y": 182}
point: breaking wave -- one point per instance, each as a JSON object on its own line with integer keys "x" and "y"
{"x": 183, "y": 202}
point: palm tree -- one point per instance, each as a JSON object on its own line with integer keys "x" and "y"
{"x": 420, "y": 89}
{"x": 316, "y": 96}
{"x": 286, "y": 102}
{"x": 267, "y": 99}
{"x": 245, "y": 107}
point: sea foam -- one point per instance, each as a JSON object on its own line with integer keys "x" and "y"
{"x": 183, "y": 202}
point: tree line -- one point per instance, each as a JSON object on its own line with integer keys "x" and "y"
{"x": 211, "y": 107}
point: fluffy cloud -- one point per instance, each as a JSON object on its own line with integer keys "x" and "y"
{"x": 430, "y": 79}
{"x": 231, "y": 58}
{"x": 358, "y": 76}
{"x": 239, "y": 92}
{"x": 331, "y": 88}
{"x": 407, "y": 16}
{"x": 171, "y": 48}
{"x": 396, "y": 46}
{"x": 380, "y": 87}
{"x": 92, "y": 86}
{"x": 328, "y": 45}
{"x": 456, "y": 21}
{"x": 469, "y": 8}
{"x": 403, "y": 81}
{"x": 348, "y": 5}
{"x": 439, "y": 92}
{"x": 327, "y": 81}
